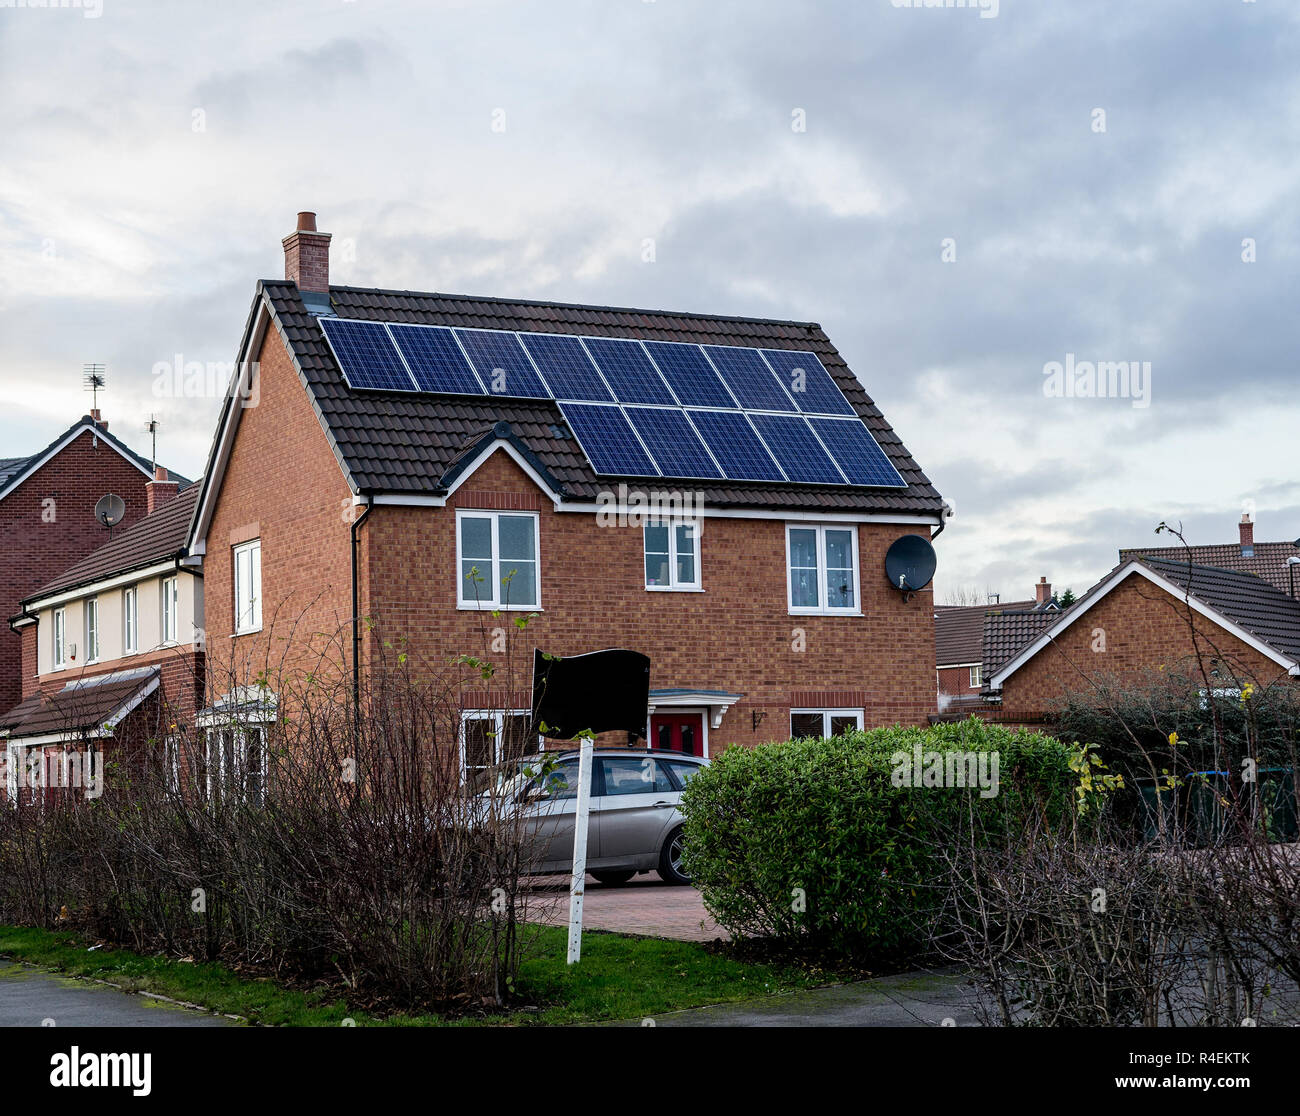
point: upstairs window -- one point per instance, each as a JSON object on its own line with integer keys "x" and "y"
{"x": 92, "y": 630}
{"x": 171, "y": 607}
{"x": 672, "y": 555}
{"x": 248, "y": 586}
{"x": 498, "y": 560}
{"x": 60, "y": 639}
{"x": 976, "y": 676}
{"x": 130, "y": 620}
{"x": 823, "y": 569}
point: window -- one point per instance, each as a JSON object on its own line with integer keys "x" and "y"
{"x": 498, "y": 560}
{"x": 824, "y": 722}
{"x": 976, "y": 676}
{"x": 823, "y": 564}
{"x": 60, "y": 639}
{"x": 130, "y": 620}
{"x": 171, "y": 607}
{"x": 684, "y": 771}
{"x": 248, "y": 587}
{"x": 634, "y": 775}
{"x": 490, "y": 736}
{"x": 237, "y": 763}
{"x": 672, "y": 555}
{"x": 92, "y": 629}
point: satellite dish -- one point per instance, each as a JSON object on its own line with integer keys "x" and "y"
{"x": 109, "y": 510}
{"x": 909, "y": 564}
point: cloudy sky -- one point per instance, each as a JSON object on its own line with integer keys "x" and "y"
{"x": 960, "y": 198}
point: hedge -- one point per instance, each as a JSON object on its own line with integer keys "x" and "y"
{"x": 810, "y": 842}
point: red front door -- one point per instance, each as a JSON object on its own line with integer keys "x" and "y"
{"x": 678, "y": 732}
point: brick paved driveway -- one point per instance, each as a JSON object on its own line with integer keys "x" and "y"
{"x": 644, "y": 905}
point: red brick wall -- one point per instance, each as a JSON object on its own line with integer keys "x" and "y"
{"x": 36, "y": 551}
{"x": 1145, "y": 629}
{"x": 736, "y": 636}
{"x": 956, "y": 680}
{"x": 28, "y": 659}
{"x": 284, "y": 486}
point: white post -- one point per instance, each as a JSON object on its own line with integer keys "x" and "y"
{"x": 579, "y": 851}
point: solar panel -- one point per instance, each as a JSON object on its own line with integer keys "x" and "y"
{"x": 857, "y": 453}
{"x": 608, "y": 440}
{"x": 366, "y": 354}
{"x": 735, "y": 445}
{"x": 566, "y": 366}
{"x": 502, "y": 364}
{"x": 793, "y": 444}
{"x": 628, "y": 371}
{"x": 689, "y": 374}
{"x": 435, "y": 360}
{"x": 813, "y": 389}
{"x": 672, "y": 441}
{"x": 751, "y": 381}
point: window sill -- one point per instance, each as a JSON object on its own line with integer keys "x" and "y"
{"x": 245, "y": 631}
{"x": 673, "y": 589}
{"x": 462, "y": 607}
{"x": 825, "y": 612}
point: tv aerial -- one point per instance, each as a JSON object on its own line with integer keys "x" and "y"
{"x": 909, "y": 564}
{"x": 94, "y": 379}
{"x": 109, "y": 510}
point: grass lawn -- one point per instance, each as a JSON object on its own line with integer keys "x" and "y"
{"x": 619, "y": 977}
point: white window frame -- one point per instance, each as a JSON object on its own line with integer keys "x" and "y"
{"x": 130, "y": 620}
{"x": 487, "y": 594}
{"x": 674, "y": 584}
{"x": 822, "y": 609}
{"x": 826, "y": 715}
{"x": 248, "y": 607}
{"x": 169, "y": 614}
{"x": 90, "y": 610}
{"x": 59, "y": 639}
{"x": 216, "y": 771}
{"x": 497, "y": 717}
{"x": 976, "y": 675}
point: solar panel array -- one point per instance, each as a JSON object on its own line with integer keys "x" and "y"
{"x": 639, "y": 408}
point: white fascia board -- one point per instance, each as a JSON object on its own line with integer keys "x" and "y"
{"x": 1072, "y": 614}
{"x": 92, "y": 588}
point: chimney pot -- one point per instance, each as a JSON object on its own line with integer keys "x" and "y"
{"x": 306, "y": 221}
{"x": 98, "y": 419}
{"x": 160, "y": 490}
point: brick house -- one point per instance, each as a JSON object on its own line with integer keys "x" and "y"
{"x": 1137, "y": 620}
{"x": 112, "y": 653}
{"x": 47, "y": 517}
{"x": 762, "y": 603}
{"x": 959, "y": 644}
{"x": 1275, "y": 562}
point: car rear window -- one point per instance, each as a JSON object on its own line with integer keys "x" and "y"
{"x": 683, "y": 770}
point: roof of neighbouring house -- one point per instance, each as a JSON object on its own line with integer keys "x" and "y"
{"x": 81, "y": 706}
{"x": 12, "y": 469}
{"x": 959, "y": 631}
{"x": 1007, "y": 631}
{"x": 155, "y": 538}
{"x": 1268, "y": 560}
{"x": 405, "y": 443}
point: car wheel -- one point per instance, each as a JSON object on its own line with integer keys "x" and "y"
{"x": 670, "y": 859}
{"x": 613, "y": 877}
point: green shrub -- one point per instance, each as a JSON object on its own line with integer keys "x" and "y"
{"x": 811, "y": 843}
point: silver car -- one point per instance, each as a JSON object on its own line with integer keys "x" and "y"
{"x": 634, "y": 826}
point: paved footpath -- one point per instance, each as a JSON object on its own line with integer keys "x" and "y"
{"x": 906, "y": 1000}
{"x": 644, "y": 905}
{"x": 29, "y": 997}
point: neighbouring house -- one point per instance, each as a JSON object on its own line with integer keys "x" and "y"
{"x": 1270, "y": 560}
{"x": 112, "y": 654}
{"x": 47, "y": 517}
{"x": 1139, "y": 619}
{"x": 959, "y": 644}
{"x": 394, "y": 468}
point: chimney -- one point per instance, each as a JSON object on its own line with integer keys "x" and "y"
{"x": 1246, "y": 528}
{"x": 307, "y": 255}
{"x": 1043, "y": 591}
{"x": 98, "y": 420}
{"x": 159, "y": 491}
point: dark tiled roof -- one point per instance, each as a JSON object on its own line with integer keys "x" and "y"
{"x": 155, "y": 538}
{"x": 403, "y": 443}
{"x": 13, "y": 467}
{"x": 1268, "y": 561}
{"x": 78, "y": 707}
{"x": 1248, "y": 601}
{"x": 959, "y": 631}
{"x": 1006, "y": 632}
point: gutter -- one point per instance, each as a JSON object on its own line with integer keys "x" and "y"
{"x": 356, "y": 610}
